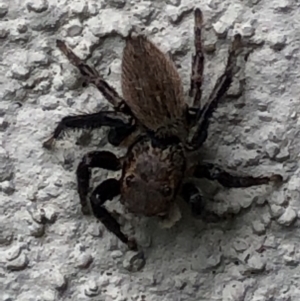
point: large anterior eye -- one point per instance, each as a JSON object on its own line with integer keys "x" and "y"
{"x": 129, "y": 180}
{"x": 166, "y": 190}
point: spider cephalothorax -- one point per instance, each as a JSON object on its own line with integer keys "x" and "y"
{"x": 152, "y": 174}
{"x": 153, "y": 110}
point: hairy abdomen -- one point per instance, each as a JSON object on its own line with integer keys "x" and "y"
{"x": 152, "y": 87}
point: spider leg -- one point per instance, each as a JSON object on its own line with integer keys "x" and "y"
{"x": 222, "y": 85}
{"x": 117, "y": 120}
{"x": 99, "y": 159}
{"x": 118, "y": 134}
{"x": 92, "y": 76}
{"x": 105, "y": 191}
{"x": 191, "y": 194}
{"x": 197, "y": 61}
{"x": 95, "y": 120}
{"x": 212, "y": 172}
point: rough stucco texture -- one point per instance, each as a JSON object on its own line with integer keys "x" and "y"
{"x": 50, "y": 251}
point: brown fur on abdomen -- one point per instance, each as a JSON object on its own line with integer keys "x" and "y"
{"x": 152, "y": 87}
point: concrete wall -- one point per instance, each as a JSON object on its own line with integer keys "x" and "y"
{"x": 50, "y": 251}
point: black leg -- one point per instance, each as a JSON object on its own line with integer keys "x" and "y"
{"x": 100, "y": 159}
{"x": 192, "y": 115}
{"x": 212, "y": 172}
{"x": 197, "y": 61}
{"x": 192, "y": 196}
{"x": 117, "y": 135}
{"x": 91, "y": 75}
{"x": 107, "y": 190}
{"x": 96, "y": 120}
{"x": 219, "y": 91}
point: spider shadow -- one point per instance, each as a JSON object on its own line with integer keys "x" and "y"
{"x": 197, "y": 240}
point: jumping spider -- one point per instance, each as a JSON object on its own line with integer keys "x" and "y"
{"x": 153, "y": 110}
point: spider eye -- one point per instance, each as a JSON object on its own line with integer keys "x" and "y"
{"x": 129, "y": 180}
{"x": 166, "y": 190}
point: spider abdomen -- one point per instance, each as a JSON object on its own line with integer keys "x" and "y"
{"x": 151, "y": 85}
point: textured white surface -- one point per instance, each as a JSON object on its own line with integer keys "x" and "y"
{"x": 254, "y": 256}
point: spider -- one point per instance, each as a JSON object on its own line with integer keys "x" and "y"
{"x": 153, "y": 111}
